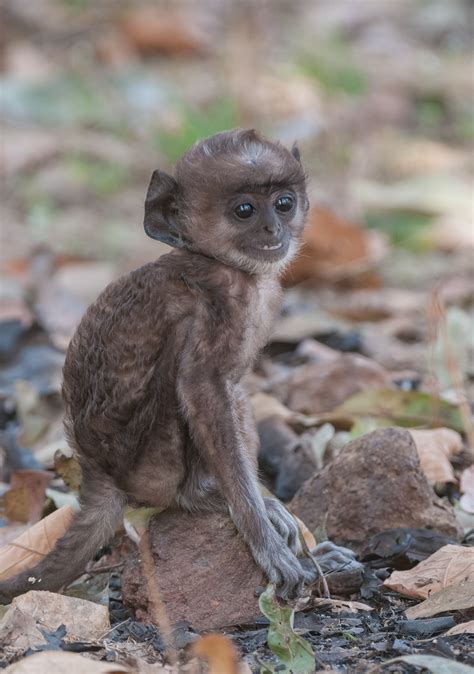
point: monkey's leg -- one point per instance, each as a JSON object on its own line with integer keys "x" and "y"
{"x": 279, "y": 516}
{"x": 200, "y": 491}
{"x": 92, "y": 527}
{"x": 221, "y": 441}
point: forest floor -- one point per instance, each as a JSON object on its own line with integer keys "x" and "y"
{"x": 376, "y": 331}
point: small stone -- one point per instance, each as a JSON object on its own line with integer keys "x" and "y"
{"x": 376, "y": 483}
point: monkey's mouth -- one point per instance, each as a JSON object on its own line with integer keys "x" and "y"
{"x": 270, "y": 252}
{"x": 277, "y": 246}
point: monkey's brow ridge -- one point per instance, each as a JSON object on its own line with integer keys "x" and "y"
{"x": 268, "y": 186}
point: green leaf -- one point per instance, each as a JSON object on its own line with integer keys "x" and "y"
{"x": 404, "y": 408}
{"x": 291, "y": 649}
{"x": 135, "y": 521}
{"x": 365, "y": 425}
{"x": 435, "y": 664}
{"x": 265, "y": 667}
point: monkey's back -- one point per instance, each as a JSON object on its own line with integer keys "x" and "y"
{"x": 112, "y": 375}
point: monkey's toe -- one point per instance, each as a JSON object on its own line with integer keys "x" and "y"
{"x": 310, "y": 571}
{"x": 284, "y": 523}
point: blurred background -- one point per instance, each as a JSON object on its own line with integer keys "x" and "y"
{"x": 378, "y": 93}
{"x": 95, "y": 95}
{"x": 378, "y": 314}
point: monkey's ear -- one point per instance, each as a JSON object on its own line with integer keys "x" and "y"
{"x": 295, "y": 151}
{"x": 160, "y": 210}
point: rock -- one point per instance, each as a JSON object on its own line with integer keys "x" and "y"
{"x": 344, "y": 574}
{"x": 32, "y": 613}
{"x": 321, "y": 387}
{"x": 204, "y": 571}
{"x": 376, "y": 483}
{"x": 58, "y": 662}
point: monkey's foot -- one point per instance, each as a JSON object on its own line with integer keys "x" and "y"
{"x": 276, "y": 554}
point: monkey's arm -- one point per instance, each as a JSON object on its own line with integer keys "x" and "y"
{"x": 219, "y": 422}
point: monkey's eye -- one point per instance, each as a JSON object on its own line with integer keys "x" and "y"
{"x": 284, "y": 204}
{"x": 244, "y": 211}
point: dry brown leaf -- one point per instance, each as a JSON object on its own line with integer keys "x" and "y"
{"x": 167, "y": 31}
{"x": 220, "y": 654}
{"x": 306, "y": 533}
{"x": 450, "y": 565}
{"x": 333, "y": 249}
{"x": 34, "y": 543}
{"x": 340, "y": 604}
{"x": 25, "y": 499}
{"x": 16, "y": 504}
{"x": 467, "y": 490}
{"x": 435, "y": 449}
{"x": 266, "y": 406}
{"x": 318, "y": 388}
{"x": 453, "y": 598}
{"x": 57, "y": 662}
{"x": 462, "y": 628}
{"x": 68, "y": 468}
{"x": 11, "y": 531}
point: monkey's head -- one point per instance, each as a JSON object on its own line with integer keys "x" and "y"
{"x": 236, "y": 197}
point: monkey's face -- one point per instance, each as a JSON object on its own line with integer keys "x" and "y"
{"x": 265, "y": 226}
{"x": 236, "y": 197}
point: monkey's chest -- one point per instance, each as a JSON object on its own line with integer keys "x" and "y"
{"x": 262, "y": 312}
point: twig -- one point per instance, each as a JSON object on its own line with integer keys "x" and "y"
{"x": 102, "y": 636}
{"x": 105, "y": 568}
{"x": 157, "y": 607}
{"x": 322, "y": 579}
{"x": 439, "y": 326}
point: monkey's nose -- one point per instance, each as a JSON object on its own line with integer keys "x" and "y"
{"x": 272, "y": 227}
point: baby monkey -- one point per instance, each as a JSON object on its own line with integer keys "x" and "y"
{"x": 155, "y": 408}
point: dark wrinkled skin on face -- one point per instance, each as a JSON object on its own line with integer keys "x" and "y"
{"x": 155, "y": 407}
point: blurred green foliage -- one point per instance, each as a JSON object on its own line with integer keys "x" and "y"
{"x": 99, "y": 176}
{"x": 404, "y": 228}
{"x": 194, "y": 125}
{"x": 332, "y": 64}
{"x": 465, "y": 125}
{"x": 431, "y": 111}
{"x": 41, "y": 210}
{"x": 68, "y": 99}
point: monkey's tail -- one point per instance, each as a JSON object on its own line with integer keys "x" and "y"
{"x": 92, "y": 527}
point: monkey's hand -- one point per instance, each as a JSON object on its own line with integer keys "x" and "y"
{"x": 276, "y": 555}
